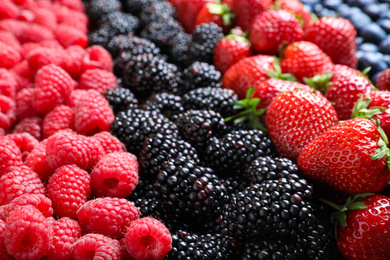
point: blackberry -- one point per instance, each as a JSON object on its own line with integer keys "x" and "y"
{"x": 220, "y": 100}
{"x": 98, "y": 8}
{"x": 120, "y": 99}
{"x": 236, "y": 150}
{"x": 120, "y": 23}
{"x": 135, "y": 6}
{"x": 167, "y": 104}
{"x": 160, "y": 148}
{"x": 187, "y": 246}
{"x": 199, "y": 126}
{"x": 143, "y": 190}
{"x": 200, "y": 75}
{"x": 204, "y": 39}
{"x": 133, "y": 126}
{"x": 146, "y": 74}
{"x": 101, "y": 36}
{"x": 157, "y": 11}
{"x": 131, "y": 43}
{"x": 178, "y": 51}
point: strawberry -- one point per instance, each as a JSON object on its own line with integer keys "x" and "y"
{"x": 298, "y": 9}
{"x": 305, "y": 59}
{"x": 295, "y": 118}
{"x": 272, "y": 28}
{"x": 218, "y": 13}
{"x": 188, "y": 11}
{"x": 247, "y": 10}
{"x": 336, "y": 37}
{"x": 344, "y": 93}
{"x": 229, "y": 50}
{"x": 351, "y": 156}
{"x": 383, "y": 80}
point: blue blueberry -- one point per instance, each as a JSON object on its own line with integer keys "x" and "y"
{"x": 373, "y": 11}
{"x": 386, "y": 59}
{"x": 368, "y": 47}
{"x": 373, "y": 60}
{"x": 373, "y": 33}
{"x": 384, "y": 46}
{"x": 375, "y": 77}
{"x": 360, "y": 3}
{"x": 384, "y": 23}
{"x": 359, "y": 19}
{"x": 359, "y": 40}
{"x": 332, "y": 4}
{"x": 326, "y": 12}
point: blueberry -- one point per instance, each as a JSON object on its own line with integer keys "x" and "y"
{"x": 384, "y": 46}
{"x": 373, "y": 33}
{"x": 368, "y": 47}
{"x": 359, "y": 40}
{"x": 360, "y": 3}
{"x": 385, "y": 14}
{"x": 373, "y": 11}
{"x": 310, "y": 2}
{"x": 359, "y": 19}
{"x": 386, "y": 59}
{"x": 375, "y": 77}
{"x": 332, "y": 4}
{"x": 359, "y": 54}
{"x": 384, "y": 23}
{"x": 308, "y": 8}
{"x": 373, "y": 60}
{"x": 326, "y": 12}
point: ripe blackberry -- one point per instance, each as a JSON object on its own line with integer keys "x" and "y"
{"x": 98, "y": 8}
{"x": 135, "y": 6}
{"x": 200, "y": 75}
{"x": 129, "y": 42}
{"x": 133, "y": 126}
{"x": 167, "y": 104}
{"x": 120, "y": 23}
{"x": 143, "y": 190}
{"x": 236, "y": 150}
{"x": 220, "y": 100}
{"x": 187, "y": 246}
{"x": 178, "y": 51}
{"x": 158, "y": 149}
{"x": 120, "y": 99}
{"x": 157, "y": 11}
{"x": 204, "y": 39}
{"x": 146, "y": 74}
{"x": 199, "y": 126}
{"x": 100, "y": 36}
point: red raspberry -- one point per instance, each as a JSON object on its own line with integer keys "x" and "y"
{"x": 22, "y": 75}
{"x": 24, "y": 106}
{"x": 8, "y": 10}
{"x": 31, "y": 125}
{"x": 97, "y": 58}
{"x": 8, "y": 84}
{"x": 93, "y": 114}
{"x": 45, "y": 17}
{"x": 148, "y": 238}
{"x": 36, "y": 160}
{"x": 26, "y": 15}
{"x": 40, "y": 57}
{"x": 76, "y": 5}
{"x": 27, "y": 233}
{"x": 3, "y": 250}
{"x": 9, "y": 56}
{"x": 109, "y": 142}
{"x": 60, "y": 118}
{"x": 7, "y": 112}
{"x": 10, "y": 155}
{"x": 66, "y": 148}
{"x": 68, "y": 188}
{"x": 74, "y": 64}
{"x": 30, "y": 47}
{"x": 25, "y": 31}
{"x": 75, "y": 97}
{"x": 22, "y": 180}
{"x": 125, "y": 254}
{"x": 98, "y": 246}
{"x": 107, "y": 216}
{"x": 24, "y": 141}
{"x": 72, "y": 18}
{"x": 65, "y": 233}
{"x": 98, "y": 79}
{"x": 67, "y": 35}
{"x": 39, "y": 201}
{"x": 53, "y": 85}
{"x": 115, "y": 175}
{"x": 9, "y": 39}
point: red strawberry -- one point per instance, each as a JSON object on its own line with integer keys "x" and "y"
{"x": 295, "y": 118}
{"x": 336, "y": 37}
{"x": 305, "y": 59}
{"x": 188, "y": 11}
{"x": 383, "y": 80}
{"x": 272, "y": 28}
{"x": 229, "y": 50}
{"x": 298, "y": 9}
{"x": 218, "y": 13}
{"x": 351, "y": 157}
{"x": 247, "y": 10}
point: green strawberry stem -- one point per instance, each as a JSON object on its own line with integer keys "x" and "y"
{"x": 320, "y": 82}
{"x": 222, "y": 10}
{"x": 249, "y": 112}
{"x": 236, "y": 37}
{"x": 361, "y": 110}
{"x": 277, "y": 72}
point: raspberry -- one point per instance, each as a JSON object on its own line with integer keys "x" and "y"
{"x": 148, "y": 238}
{"x": 96, "y": 246}
{"x": 68, "y": 189}
{"x": 65, "y": 233}
{"x": 60, "y": 118}
{"x": 39, "y": 201}
{"x": 3, "y": 251}
{"x": 25, "y": 31}
{"x": 26, "y": 15}
{"x": 27, "y": 233}
{"x": 109, "y": 142}
{"x": 9, "y": 39}
{"x": 8, "y": 84}
{"x": 97, "y": 58}
{"x": 72, "y": 18}
{"x": 115, "y": 175}
{"x": 67, "y": 35}
{"x": 8, "y": 10}
{"x": 36, "y": 160}
{"x": 9, "y": 56}
{"x": 31, "y": 125}
{"x": 24, "y": 106}
{"x": 45, "y": 17}
{"x": 10, "y": 155}
{"x": 75, "y": 97}
{"x": 31, "y": 47}
{"x": 24, "y": 141}
{"x": 40, "y": 57}
{"x": 22, "y": 75}
{"x": 107, "y": 216}
{"x": 76, "y": 5}
{"x": 93, "y": 114}
{"x": 7, "y": 112}
{"x": 53, "y": 85}
{"x": 22, "y": 180}
{"x": 66, "y": 148}
{"x": 74, "y": 64}
{"x": 98, "y": 79}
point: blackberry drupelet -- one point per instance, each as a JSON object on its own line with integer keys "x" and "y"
{"x": 187, "y": 246}
{"x": 98, "y": 8}
{"x": 200, "y": 75}
{"x": 204, "y": 39}
{"x": 133, "y": 126}
{"x": 158, "y": 149}
{"x": 120, "y": 23}
{"x": 120, "y": 99}
{"x": 167, "y": 104}
{"x": 143, "y": 190}
{"x": 199, "y": 126}
{"x": 236, "y": 150}
{"x": 146, "y": 74}
{"x": 220, "y": 100}
{"x": 178, "y": 51}
{"x": 157, "y": 11}
{"x": 136, "y": 6}
{"x": 128, "y": 43}
{"x": 101, "y": 36}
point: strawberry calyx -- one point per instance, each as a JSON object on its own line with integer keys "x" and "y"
{"x": 361, "y": 110}
{"x": 223, "y": 10}
{"x": 277, "y": 72}
{"x": 238, "y": 38}
{"x": 320, "y": 82}
{"x": 249, "y": 112}
{"x": 383, "y": 150}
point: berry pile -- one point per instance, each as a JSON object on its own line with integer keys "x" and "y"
{"x": 193, "y": 129}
